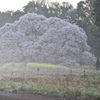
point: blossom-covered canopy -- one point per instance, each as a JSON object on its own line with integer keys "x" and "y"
{"x": 35, "y": 38}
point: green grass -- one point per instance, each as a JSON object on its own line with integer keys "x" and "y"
{"x": 34, "y": 88}
{"x": 88, "y": 67}
{"x": 58, "y": 85}
{"x": 13, "y": 66}
{"x": 33, "y": 65}
{"x": 46, "y": 66}
{"x": 30, "y": 66}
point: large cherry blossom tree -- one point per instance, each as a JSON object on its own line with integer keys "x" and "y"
{"x": 35, "y": 38}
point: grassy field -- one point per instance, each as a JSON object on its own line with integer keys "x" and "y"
{"x": 30, "y": 66}
{"x": 50, "y": 79}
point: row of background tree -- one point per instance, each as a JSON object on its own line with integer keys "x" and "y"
{"x": 84, "y": 16}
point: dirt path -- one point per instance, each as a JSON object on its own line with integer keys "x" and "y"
{"x": 24, "y": 96}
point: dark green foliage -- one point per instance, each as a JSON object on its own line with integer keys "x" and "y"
{"x": 53, "y": 9}
{"x": 9, "y": 17}
{"x": 84, "y": 18}
{"x": 96, "y": 12}
{"x": 5, "y": 17}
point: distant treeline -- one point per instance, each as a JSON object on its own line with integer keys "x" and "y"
{"x": 53, "y": 9}
{"x": 82, "y": 16}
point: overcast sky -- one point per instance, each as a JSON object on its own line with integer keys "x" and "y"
{"x": 18, "y": 4}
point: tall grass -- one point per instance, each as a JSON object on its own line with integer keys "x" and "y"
{"x": 68, "y": 86}
{"x": 68, "y": 83}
